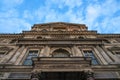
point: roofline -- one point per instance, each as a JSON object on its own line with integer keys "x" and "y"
{"x": 59, "y": 22}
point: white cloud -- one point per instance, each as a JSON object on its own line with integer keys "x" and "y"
{"x": 10, "y": 20}
{"x": 14, "y": 25}
{"x": 27, "y": 15}
{"x": 96, "y": 15}
{"x": 49, "y": 12}
{"x": 9, "y": 13}
{"x": 111, "y": 25}
{"x": 106, "y": 11}
{"x": 92, "y": 12}
{"x": 63, "y": 3}
{"x": 10, "y": 3}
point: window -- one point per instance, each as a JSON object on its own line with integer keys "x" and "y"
{"x": 117, "y": 53}
{"x": 80, "y": 37}
{"x": 89, "y": 53}
{"x": 31, "y": 54}
{"x": 44, "y": 30}
{"x": 2, "y": 54}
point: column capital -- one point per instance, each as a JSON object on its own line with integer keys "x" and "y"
{"x": 35, "y": 75}
{"x": 90, "y": 75}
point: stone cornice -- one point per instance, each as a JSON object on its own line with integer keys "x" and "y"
{"x": 52, "y": 23}
{"x": 15, "y": 68}
{"x": 59, "y": 39}
{"x": 108, "y": 35}
{"x": 11, "y": 35}
{"x": 106, "y": 68}
{"x": 59, "y": 42}
{"x": 60, "y": 32}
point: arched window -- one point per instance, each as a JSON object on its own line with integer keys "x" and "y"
{"x": 44, "y": 30}
{"x": 39, "y": 37}
{"x": 89, "y": 53}
{"x": 80, "y": 37}
{"x": 31, "y": 54}
{"x": 60, "y": 53}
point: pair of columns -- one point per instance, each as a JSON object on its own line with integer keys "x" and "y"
{"x": 84, "y": 75}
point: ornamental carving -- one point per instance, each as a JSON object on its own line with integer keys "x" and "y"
{"x": 5, "y": 48}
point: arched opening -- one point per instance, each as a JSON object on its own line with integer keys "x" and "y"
{"x": 61, "y": 53}
{"x": 80, "y": 37}
{"x": 44, "y": 30}
{"x": 39, "y": 37}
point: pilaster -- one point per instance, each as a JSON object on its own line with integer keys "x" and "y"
{"x": 18, "y": 61}
{"x": 100, "y": 56}
{"x": 44, "y": 51}
{"x": 113, "y": 57}
{"x": 9, "y": 55}
{"x": 77, "y": 51}
{"x": 19, "y": 51}
{"x": 104, "y": 55}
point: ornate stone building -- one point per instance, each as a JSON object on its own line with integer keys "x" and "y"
{"x": 59, "y": 51}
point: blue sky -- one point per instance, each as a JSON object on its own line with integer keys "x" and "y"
{"x": 100, "y": 15}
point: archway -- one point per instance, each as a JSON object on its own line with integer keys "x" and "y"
{"x": 61, "y": 53}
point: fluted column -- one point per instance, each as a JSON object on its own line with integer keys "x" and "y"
{"x": 17, "y": 54}
{"x": 73, "y": 50}
{"x": 90, "y": 76}
{"x": 113, "y": 57}
{"x": 77, "y": 51}
{"x": 35, "y": 76}
{"x": 18, "y": 61}
{"x": 45, "y": 51}
{"x": 100, "y": 56}
{"x": 105, "y": 56}
{"x": 9, "y": 55}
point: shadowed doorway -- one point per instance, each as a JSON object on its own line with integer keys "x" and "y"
{"x": 63, "y": 76}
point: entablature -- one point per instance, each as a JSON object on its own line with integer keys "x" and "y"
{"x": 15, "y": 68}
{"x": 62, "y": 63}
{"x": 11, "y": 36}
{"x": 60, "y": 41}
{"x": 102, "y": 68}
{"x": 60, "y": 32}
{"x": 108, "y": 35}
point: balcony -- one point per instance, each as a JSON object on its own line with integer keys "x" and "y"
{"x": 62, "y": 64}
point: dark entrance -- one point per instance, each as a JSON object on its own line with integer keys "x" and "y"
{"x": 62, "y": 76}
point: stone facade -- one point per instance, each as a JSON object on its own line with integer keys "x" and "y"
{"x": 59, "y": 51}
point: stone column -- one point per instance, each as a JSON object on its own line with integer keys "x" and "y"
{"x": 90, "y": 76}
{"x": 41, "y": 52}
{"x": 9, "y": 55}
{"x": 77, "y": 51}
{"x": 45, "y": 51}
{"x": 100, "y": 56}
{"x": 17, "y": 54}
{"x": 105, "y": 56}
{"x": 35, "y": 75}
{"x": 23, "y": 53}
{"x": 113, "y": 57}
{"x": 73, "y": 50}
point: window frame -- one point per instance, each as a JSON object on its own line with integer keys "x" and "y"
{"x": 28, "y": 55}
{"x": 117, "y": 53}
{"x": 4, "y": 53}
{"x": 94, "y": 57}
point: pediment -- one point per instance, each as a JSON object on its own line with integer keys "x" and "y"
{"x": 4, "y": 48}
{"x": 59, "y": 26}
{"x": 114, "y": 48}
